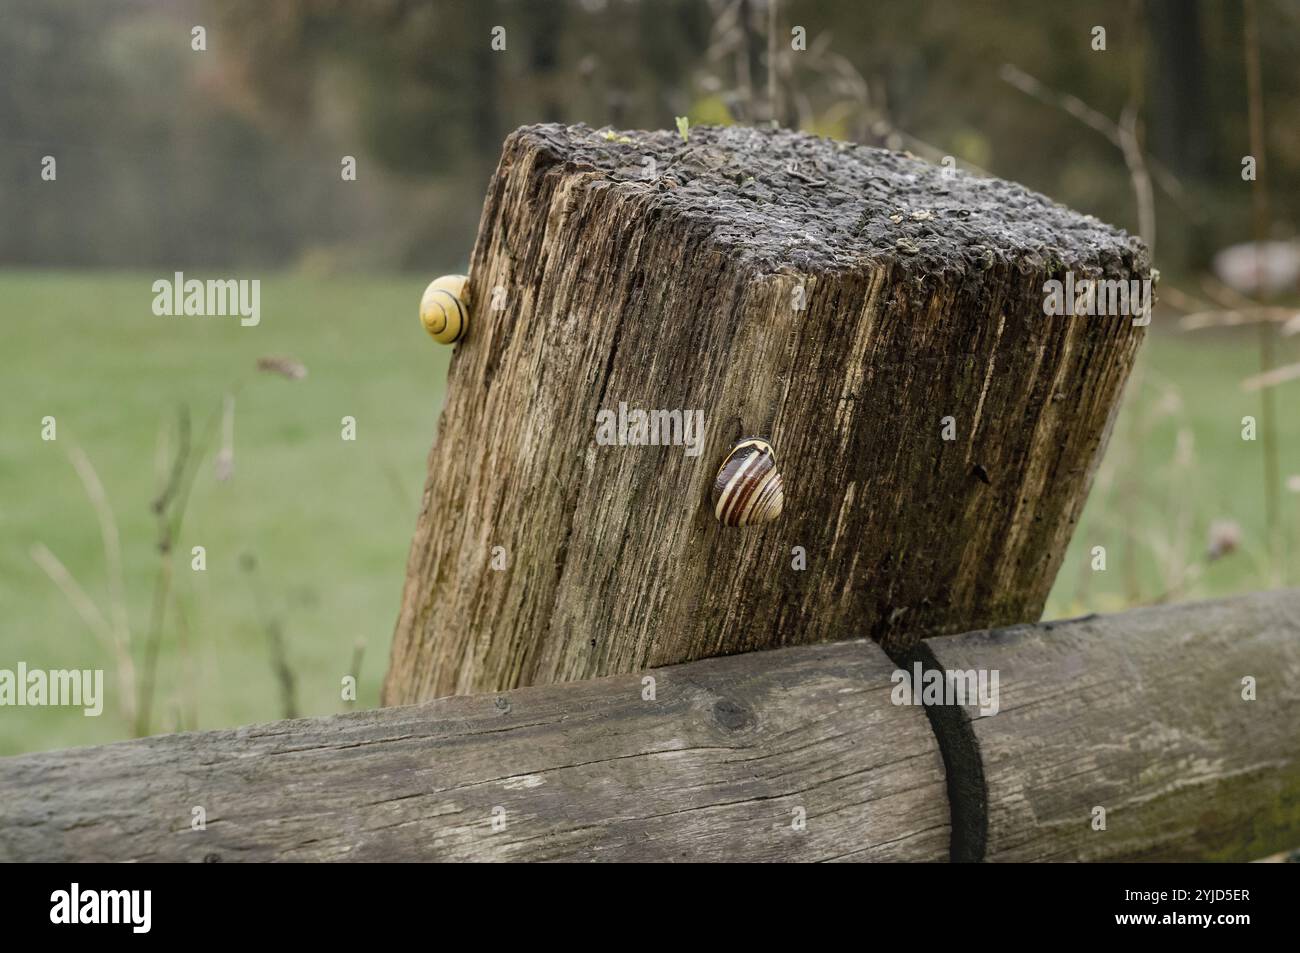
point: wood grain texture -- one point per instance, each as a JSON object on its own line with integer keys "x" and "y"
{"x": 712, "y": 769}
{"x": 922, "y": 298}
{"x": 1142, "y": 714}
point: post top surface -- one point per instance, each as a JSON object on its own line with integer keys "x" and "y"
{"x": 781, "y": 199}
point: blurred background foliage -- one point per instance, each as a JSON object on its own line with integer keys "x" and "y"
{"x": 227, "y": 162}
{"x": 230, "y": 157}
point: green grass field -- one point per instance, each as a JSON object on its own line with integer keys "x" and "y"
{"x": 1177, "y": 463}
{"x": 329, "y": 521}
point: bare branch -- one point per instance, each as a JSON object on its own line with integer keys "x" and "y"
{"x": 1230, "y": 319}
{"x": 1271, "y": 378}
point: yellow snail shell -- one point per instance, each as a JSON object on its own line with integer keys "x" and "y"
{"x": 747, "y": 490}
{"x": 444, "y": 308}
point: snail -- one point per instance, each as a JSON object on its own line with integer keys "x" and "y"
{"x": 444, "y": 308}
{"x": 747, "y": 490}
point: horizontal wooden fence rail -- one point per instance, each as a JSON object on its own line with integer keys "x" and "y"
{"x": 1143, "y": 714}
{"x": 792, "y": 754}
{"x": 715, "y": 766}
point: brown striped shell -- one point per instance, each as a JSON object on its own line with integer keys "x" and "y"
{"x": 747, "y": 490}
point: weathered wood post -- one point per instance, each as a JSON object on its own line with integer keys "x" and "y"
{"x": 879, "y": 320}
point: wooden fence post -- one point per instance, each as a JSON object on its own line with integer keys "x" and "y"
{"x": 879, "y": 320}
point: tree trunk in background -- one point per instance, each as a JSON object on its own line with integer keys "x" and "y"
{"x": 1177, "y": 104}
{"x": 842, "y": 302}
{"x": 545, "y": 33}
{"x": 487, "y": 126}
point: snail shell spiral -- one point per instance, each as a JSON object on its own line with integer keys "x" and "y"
{"x": 748, "y": 490}
{"x": 444, "y": 308}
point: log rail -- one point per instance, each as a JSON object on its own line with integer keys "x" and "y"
{"x": 795, "y": 754}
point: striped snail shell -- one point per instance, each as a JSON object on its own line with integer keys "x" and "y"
{"x": 747, "y": 490}
{"x": 444, "y": 308}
